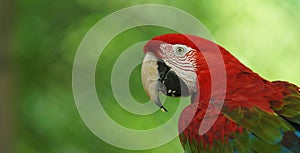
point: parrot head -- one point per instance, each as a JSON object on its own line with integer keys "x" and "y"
{"x": 169, "y": 67}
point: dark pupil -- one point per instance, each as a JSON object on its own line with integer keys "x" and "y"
{"x": 180, "y": 49}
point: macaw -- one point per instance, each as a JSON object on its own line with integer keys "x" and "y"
{"x": 256, "y": 115}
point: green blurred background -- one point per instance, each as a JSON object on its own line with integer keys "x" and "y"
{"x": 39, "y": 39}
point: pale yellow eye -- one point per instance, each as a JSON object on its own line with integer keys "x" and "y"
{"x": 180, "y": 50}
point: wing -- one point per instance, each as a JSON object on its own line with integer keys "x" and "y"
{"x": 280, "y": 128}
{"x": 246, "y": 129}
{"x": 242, "y": 131}
{"x": 267, "y": 132}
{"x": 290, "y": 109}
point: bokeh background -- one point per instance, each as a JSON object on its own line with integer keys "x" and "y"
{"x": 39, "y": 39}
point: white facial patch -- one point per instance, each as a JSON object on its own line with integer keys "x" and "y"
{"x": 175, "y": 57}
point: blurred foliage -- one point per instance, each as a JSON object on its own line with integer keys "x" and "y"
{"x": 262, "y": 34}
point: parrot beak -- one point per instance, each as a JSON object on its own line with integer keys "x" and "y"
{"x": 151, "y": 79}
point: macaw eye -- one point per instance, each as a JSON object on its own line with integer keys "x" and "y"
{"x": 180, "y": 50}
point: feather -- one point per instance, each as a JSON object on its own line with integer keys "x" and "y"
{"x": 257, "y": 115}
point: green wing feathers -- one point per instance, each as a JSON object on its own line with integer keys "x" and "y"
{"x": 247, "y": 129}
{"x": 291, "y": 101}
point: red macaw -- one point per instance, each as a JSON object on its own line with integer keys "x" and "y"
{"x": 256, "y": 115}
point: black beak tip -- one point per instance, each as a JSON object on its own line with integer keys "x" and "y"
{"x": 163, "y": 109}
